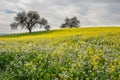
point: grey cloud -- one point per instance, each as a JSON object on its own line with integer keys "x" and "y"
{"x": 90, "y": 12}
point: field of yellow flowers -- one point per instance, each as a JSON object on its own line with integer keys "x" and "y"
{"x": 63, "y": 54}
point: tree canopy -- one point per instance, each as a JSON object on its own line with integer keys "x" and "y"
{"x": 70, "y": 23}
{"x": 29, "y": 20}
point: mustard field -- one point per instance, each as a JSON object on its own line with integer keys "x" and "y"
{"x": 63, "y": 54}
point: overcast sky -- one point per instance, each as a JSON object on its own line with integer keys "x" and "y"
{"x": 89, "y": 12}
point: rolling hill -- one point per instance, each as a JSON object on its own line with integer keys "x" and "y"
{"x": 64, "y": 54}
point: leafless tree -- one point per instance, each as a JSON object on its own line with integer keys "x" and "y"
{"x": 28, "y": 20}
{"x": 71, "y": 22}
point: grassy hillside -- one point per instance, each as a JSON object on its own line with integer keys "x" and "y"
{"x": 64, "y": 54}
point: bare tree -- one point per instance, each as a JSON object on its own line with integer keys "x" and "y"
{"x": 28, "y": 20}
{"x": 70, "y": 22}
{"x": 43, "y": 22}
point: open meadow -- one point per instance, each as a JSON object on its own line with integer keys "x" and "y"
{"x": 63, "y": 54}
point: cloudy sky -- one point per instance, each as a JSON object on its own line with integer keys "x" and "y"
{"x": 89, "y": 12}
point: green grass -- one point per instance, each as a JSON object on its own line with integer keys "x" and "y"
{"x": 52, "y": 31}
{"x": 64, "y": 54}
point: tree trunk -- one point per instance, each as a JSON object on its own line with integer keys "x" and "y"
{"x": 30, "y": 30}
